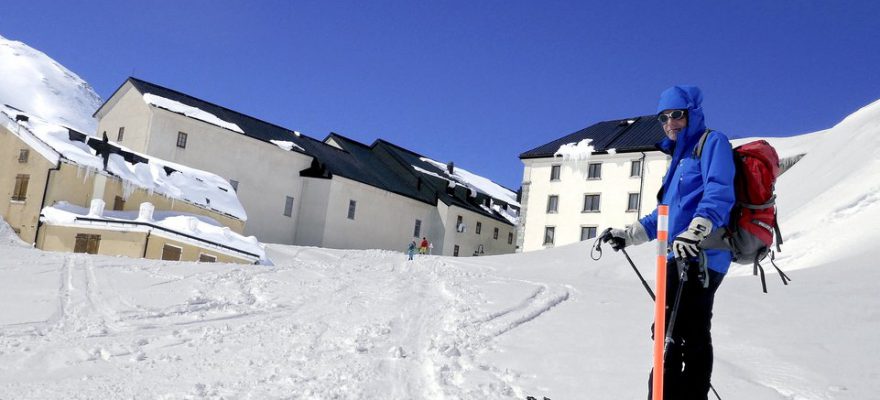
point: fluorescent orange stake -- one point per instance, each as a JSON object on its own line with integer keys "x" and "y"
{"x": 660, "y": 303}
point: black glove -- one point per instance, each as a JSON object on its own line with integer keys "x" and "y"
{"x": 634, "y": 234}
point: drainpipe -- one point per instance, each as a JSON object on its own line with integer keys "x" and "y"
{"x": 641, "y": 184}
{"x": 147, "y": 243}
{"x": 43, "y": 201}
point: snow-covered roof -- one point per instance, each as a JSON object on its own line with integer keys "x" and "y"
{"x": 185, "y": 227}
{"x": 474, "y": 181}
{"x": 580, "y": 151}
{"x": 152, "y": 174}
{"x": 286, "y": 145}
{"x": 189, "y": 111}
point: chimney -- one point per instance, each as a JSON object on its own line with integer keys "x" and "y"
{"x": 97, "y": 208}
{"x": 146, "y": 212}
{"x": 450, "y": 167}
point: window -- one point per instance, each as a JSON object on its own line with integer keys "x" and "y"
{"x": 552, "y": 204}
{"x": 288, "y": 206}
{"x": 171, "y": 253}
{"x": 86, "y": 243}
{"x": 633, "y": 203}
{"x": 459, "y": 224}
{"x": 118, "y": 204}
{"x": 635, "y": 170}
{"x": 495, "y": 234}
{"x": 23, "y": 155}
{"x": 549, "y": 235}
{"x": 21, "y": 186}
{"x": 181, "y": 140}
{"x": 510, "y": 238}
{"x": 120, "y": 134}
{"x": 455, "y": 250}
{"x": 234, "y": 184}
{"x": 591, "y": 203}
{"x": 554, "y": 172}
{"x": 479, "y": 228}
{"x": 588, "y": 232}
{"x": 595, "y": 171}
{"x": 352, "y": 205}
{"x": 207, "y": 258}
{"x": 417, "y": 231}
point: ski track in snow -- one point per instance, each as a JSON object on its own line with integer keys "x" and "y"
{"x": 321, "y": 324}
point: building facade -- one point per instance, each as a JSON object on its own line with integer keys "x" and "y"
{"x": 336, "y": 193}
{"x": 58, "y": 181}
{"x": 612, "y": 183}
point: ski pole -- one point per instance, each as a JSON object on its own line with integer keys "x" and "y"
{"x": 597, "y": 247}
{"x": 682, "y": 278}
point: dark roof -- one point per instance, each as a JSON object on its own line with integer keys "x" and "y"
{"x": 619, "y": 134}
{"x": 438, "y": 187}
{"x": 253, "y": 127}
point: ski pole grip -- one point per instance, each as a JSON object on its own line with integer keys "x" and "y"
{"x": 660, "y": 303}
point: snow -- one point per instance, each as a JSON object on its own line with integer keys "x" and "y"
{"x": 364, "y": 324}
{"x": 63, "y": 213}
{"x": 288, "y": 146}
{"x": 575, "y": 152}
{"x": 195, "y": 186}
{"x": 33, "y": 82}
{"x": 190, "y": 111}
{"x": 788, "y": 146}
{"x": 476, "y": 182}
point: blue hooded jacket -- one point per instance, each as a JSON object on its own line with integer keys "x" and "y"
{"x": 695, "y": 187}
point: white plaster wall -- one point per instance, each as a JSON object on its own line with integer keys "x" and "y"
{"x": 266, "y": 174}
{"x": 614, "y": 188}
{"x": 126, "y": 109}
{"x": 312, "y": 212}
{"x": 469, "y": 241}
{"x": 383, "y": 220}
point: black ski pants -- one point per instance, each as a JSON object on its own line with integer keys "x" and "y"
{"x": 688, "y": 366}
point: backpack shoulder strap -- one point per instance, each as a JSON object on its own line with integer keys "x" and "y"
{"x": 698, "y": 150}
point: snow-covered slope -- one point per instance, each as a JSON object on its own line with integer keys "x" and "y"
{"x": 35, "y": 83}
{"x": 324, "y": 324}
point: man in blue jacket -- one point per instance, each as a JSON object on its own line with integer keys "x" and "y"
{"x": 700, "y": 195}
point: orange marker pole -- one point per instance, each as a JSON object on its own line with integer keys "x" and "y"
{"x": 660, "y": 303}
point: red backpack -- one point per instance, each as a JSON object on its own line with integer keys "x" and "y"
{"x": 753, "y": 224}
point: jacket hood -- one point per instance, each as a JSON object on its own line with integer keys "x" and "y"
{"x": 684, "y": 97}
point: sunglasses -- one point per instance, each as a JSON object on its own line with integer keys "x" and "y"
{"x": 675, "y": 114}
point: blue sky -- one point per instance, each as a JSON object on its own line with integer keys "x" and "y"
{"x": 476, "y": 82}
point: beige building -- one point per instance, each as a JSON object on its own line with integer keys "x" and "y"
{"x": 57, "y": 182}
{"x": 606, "y": 175}
{"x": 336, "y": 193}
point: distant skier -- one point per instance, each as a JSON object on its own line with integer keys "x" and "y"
{"x": 411, "y": 249}
{"x": 700, "y": 195}
{"x": 423, "y": 247}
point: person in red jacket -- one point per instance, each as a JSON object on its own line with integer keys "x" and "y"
{"x": 423, "y": 247}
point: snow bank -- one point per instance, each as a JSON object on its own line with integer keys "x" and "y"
{"x": 32, "y": 81}
{"x": 829, "y": 199}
